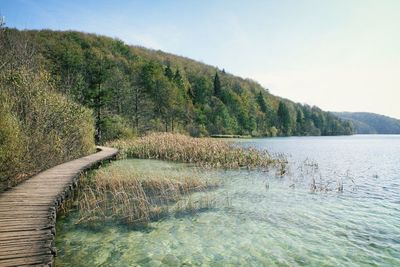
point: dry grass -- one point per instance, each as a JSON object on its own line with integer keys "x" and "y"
{"x": 204, "y": 152}
{"x": 123, "y": 193}
{"x": 137, "y": 198}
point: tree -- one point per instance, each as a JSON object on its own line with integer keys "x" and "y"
{"x": 261, "y": 102}
{"x": 217, "y": 85}
{"x": 178, "y": 80}
{"x": 119, "y": 86}
{"x": 222, "y": 122}
{"x": 299, "y": 122}
{"x": 202, "y": 90}
{"x": 2, "y": 22}
{"x": 168, "y": 73}
{"x": 96, "y": 96}
{"x": 166, "y": 98}
{"x": 16, "y": 49}
{"x": 142, "y": 106}
{"x": 284, "y": 118}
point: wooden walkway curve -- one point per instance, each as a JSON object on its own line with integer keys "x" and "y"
{"x": 28, "y": 211}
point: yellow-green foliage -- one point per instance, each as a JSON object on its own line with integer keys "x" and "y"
{"x": 39, "y": 128}
{"x": 11, "y": 144}
{"x": 115, "y": 127}
{"x": 133, "y": 197}
{"x": 206, "y": 152}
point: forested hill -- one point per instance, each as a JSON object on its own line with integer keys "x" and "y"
{"x": 371, "y": 123}
{"x": 132, "y": 88}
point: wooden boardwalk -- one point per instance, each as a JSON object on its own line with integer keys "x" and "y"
{"x": 28, "y": 211}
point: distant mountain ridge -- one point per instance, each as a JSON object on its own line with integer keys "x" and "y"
{"x": 371, "y": 123}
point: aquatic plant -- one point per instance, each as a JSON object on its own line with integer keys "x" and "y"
{"x": 309, "y": 174}
{"x": 205, "y": 152}
{"x": 137, "y": 198}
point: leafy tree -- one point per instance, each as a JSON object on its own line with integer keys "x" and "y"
{"x": 222, "y": 122}
{"x": 140, "y": 101}
{"x": 96, "y": 96}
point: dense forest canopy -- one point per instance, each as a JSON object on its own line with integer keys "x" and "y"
{"x": 133, "y": 90}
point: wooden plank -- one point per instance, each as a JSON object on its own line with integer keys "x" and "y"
{"x": 28, "y": 261}
{"x": 27, "y": 212}
{"x": 14, "y": 249}
{"x": 25, "y": 254}
{"x": 12, "y": 220}
{"x": 24, "y": 227}
{"x": 24, "y": 238}
{"x": 22, "y": 242}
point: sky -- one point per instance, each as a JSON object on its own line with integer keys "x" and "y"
{"x": 341, "y": 55}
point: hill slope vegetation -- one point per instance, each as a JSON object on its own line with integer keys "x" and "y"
{"x": 61, "y": 90}
{"x": 371, "y": 123}
{"x": 133, "y": 90}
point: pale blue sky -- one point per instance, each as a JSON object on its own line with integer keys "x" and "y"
{"x": 342, "y": 55}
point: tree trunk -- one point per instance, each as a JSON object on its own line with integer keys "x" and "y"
{"x": 98, "y": 117}
{"x": 137, "y": 109}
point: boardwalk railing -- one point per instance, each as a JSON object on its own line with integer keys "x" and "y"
{"x": 28, "y": 211}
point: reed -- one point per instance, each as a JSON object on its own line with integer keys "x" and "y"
{"x": 204, "y": 152}
{"x": 112, "y": 193}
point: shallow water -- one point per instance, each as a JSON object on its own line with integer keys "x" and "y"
{"x": 265, "y": 220}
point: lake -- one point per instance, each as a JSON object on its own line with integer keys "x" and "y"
{"x": 338, "y": 205}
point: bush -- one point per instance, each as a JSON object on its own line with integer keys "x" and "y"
{"x": 39, "y": 128}
{"x": 11, "y": 145}
{"x": 115, "y": 127}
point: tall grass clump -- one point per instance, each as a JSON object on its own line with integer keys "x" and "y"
{"x": 205, "y": 152}
{"x": 126, "y": 195}
{"x": 39, "y": 127}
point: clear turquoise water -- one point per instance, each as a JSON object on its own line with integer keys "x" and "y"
{"x": 283, "y": 225}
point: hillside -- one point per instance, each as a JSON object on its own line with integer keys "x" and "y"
{"x": 133, "y": 90}
{"x": 371, "y": 123}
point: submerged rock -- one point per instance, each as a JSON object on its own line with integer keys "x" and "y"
{"x": 171, "y": 260}
{"x": 154, "y": 263}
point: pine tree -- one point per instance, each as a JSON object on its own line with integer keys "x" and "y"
{"x": 262, "y": 103}
{"x": 217, "y": 86}
{"x": 168, "y": 73}
{"x": 178, "y": 80}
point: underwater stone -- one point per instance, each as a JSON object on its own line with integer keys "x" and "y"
{"x": 171, "y": 260}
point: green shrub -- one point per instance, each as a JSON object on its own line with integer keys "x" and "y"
{"x": 115, "y": 127}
